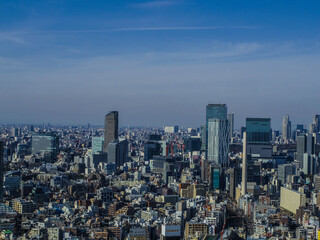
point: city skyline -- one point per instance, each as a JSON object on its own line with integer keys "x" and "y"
{"x": 61, "y": 60}
{"x": 279, "y": 123}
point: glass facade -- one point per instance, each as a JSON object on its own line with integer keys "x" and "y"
{"x": 216, "y": 178}
{"x": 218, "y": 141}
{"x": 215, "y": 111}
{"x": 97, "y": 144}
{"x": 258, "y": 130}
{"x": 118, "y": 152}
{"x": 45, "y": 143}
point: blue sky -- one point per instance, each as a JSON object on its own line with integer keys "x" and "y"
{"x": 158, "y": 62}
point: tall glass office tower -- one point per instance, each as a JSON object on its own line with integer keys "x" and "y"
{"x": 217, "y": 133}
{"x": 215, "y": 111}
{"x": 218, "y": 141}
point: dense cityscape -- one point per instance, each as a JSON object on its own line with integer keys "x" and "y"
{"x": 112, "y": 182}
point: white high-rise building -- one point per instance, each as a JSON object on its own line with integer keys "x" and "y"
{"x": 286, "y": 127}
{"x": 218, "y": 141}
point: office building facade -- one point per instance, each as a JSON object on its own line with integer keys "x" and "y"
{"x": 291, "y": 200}
{"x": 259, "y": 137}
{"x": 118, "y": 152}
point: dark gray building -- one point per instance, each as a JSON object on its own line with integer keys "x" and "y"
{"x": 168, "y": 172}
{"x": 99, "y": 157}
{"x": 231, "y": 124}
{"x": 309, "y": 164}
{"x": 203, "y": 137}
{"x": 111, "y": 128}
{"x": 151, "y": 148}
{"x": 118, "y": 152}
{"x": 316, "y": 122}
{"x": 305, "y": 144}
{"x": 235, "y": 175}
{"x": 305, "y": 154}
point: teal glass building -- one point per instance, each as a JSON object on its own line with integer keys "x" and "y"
{"x": 97, "y": 144}
{"x": 258, "y": 130}
{"x": 215, "y": 171}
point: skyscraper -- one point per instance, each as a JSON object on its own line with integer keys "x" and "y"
{"x": 231, "y": 124}
{"x": 259, "y": 137}
{"x": 1, "y": 170}
{"x": 203, "y": 137}
{"x": 286, "y": 127}
{"x": 118, "y": 152}
{"x": 244, "y": 166}
{"x": 110, "y": 129}
{"x": 214, "y": 111}
{"x": 305, "y": 151}
{"x": 316, "y": 123}
{"x": 218, "y": 141}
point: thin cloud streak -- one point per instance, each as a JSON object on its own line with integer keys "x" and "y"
{"x": 5, "y": 35}
{"x": 186, "y": 28}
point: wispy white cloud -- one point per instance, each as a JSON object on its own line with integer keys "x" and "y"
{"x": 222, "y": 51}
{"x": 11, "y": 37}
{"x": 154, "y": 4}
{"x": 185, "y": 28}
